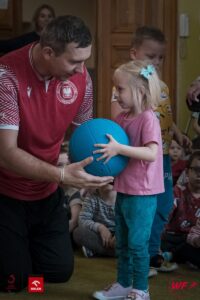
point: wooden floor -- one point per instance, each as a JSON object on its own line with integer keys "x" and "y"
{"x": 96, "y": 273}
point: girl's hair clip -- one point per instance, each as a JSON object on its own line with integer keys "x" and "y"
{"x": 147, "y": 71}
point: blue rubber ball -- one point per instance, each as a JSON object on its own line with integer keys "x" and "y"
{"x": 81, "y": 146}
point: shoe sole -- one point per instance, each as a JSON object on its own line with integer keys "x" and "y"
{"x": 99, "y": 296}
{"x": 153, "y": 274}
{"x": 166, "y": 270}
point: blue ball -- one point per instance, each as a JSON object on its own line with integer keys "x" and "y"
{"x": 81, "y": 146}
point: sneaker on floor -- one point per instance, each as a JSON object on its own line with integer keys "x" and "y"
{"x": 137, "y": 295}
{"x": 114, "y": 291}
{"x": 87, "y": 252}
{"x": 167, "y": 267}
{"x": 152, "y": 272}
{"x": 168, "y": 256}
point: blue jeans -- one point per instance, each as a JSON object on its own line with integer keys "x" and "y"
{"x": 134, "y": 217}
{"x": 164, "y": 206}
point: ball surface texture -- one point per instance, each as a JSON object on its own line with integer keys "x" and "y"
{"x": 81, "y": 146}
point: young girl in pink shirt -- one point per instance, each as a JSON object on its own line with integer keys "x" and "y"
{"x": 138, "y": 93}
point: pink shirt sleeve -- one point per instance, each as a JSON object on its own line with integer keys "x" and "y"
{"x": 150, "y": 130}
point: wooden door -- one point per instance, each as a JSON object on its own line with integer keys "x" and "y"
{"x": 10, "y": 18}
{"x": 116, "y": 22}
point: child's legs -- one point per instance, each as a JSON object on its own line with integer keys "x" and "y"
{"x": 138, "y": 213}
{"x": 125, "y": 273}
{"x": 164, "y": 206}
{"x": 187, "y": 253}
{"x": 83, "y": 236}
{"x": 181, "y": 250}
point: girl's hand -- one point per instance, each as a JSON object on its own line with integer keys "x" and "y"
{"x": 108, "y": 150}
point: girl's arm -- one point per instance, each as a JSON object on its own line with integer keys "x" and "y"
{"x": 147, "y": 152}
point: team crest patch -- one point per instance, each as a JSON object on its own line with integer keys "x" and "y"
{"x": 66, "y": 92}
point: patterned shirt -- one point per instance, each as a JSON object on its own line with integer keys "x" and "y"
{"x": 185, "y": 212}
{"x": 96, "y": 211}
{"x": 193, "y": 237}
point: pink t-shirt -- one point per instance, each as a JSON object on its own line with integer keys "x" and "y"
{"x": 141, "y": 177}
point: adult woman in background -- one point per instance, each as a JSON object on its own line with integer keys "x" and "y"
{"x": 42, "y": 16}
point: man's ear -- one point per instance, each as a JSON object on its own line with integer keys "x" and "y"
{"x": 132, "y": 53}
{"x": 48, "y": 52}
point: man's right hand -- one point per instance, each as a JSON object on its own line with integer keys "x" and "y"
{"x": 76, "y": 176}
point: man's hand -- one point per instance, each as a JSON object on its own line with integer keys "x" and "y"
{"x": 76, "y": 176}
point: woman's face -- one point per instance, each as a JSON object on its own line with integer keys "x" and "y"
{"x": 44, "y": 17}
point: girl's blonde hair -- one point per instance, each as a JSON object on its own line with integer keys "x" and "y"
{"x": 144, "y": 76}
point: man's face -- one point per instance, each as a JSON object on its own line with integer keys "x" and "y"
{"x": 69, "y": 62}
{"x": 150, "y": 50}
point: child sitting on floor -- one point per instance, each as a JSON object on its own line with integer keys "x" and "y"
{"x": 182, "y": 235}
{"x": 96, "y": 225}
{"x": 178, "y": 164}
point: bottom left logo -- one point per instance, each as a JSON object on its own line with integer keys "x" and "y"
{"x": 36, "y": 284}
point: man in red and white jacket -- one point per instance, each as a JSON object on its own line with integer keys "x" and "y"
{"x": 44, "y": 87}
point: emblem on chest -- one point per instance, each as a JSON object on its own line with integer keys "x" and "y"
{"x": 66, "y": 92}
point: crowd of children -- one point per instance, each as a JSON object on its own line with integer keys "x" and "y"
{"x": 147, "y": 228}
{"x": 181, "y": 236}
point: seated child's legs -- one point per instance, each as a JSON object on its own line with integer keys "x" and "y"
{"x": 181, "y": 251}
{"x": 90, "y": 239}
{"x": 164, "y": 206}
{"x": 188, "y": 254}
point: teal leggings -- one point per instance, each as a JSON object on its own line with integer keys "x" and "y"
{"x": 134, "y": 217}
